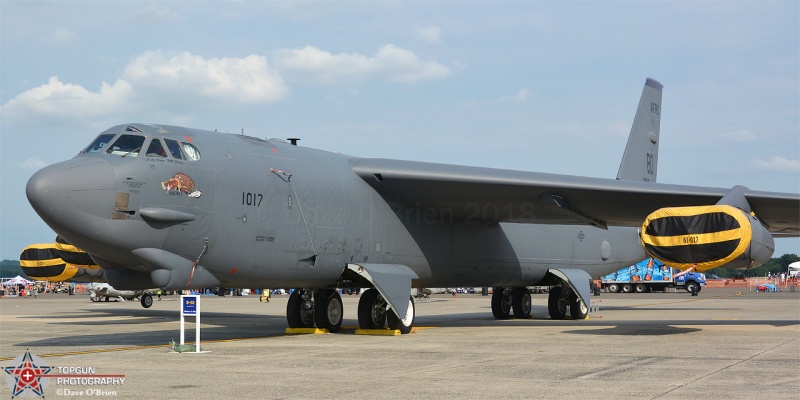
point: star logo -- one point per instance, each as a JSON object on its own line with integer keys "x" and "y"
{"x": 25, "y": 373}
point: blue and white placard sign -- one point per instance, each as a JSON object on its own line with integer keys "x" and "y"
{"x": 189, "y": 305}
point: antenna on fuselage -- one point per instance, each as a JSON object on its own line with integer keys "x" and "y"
{"x": 293, "y": 141}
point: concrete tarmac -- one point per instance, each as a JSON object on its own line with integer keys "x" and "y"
{"x": 722, "y": 344}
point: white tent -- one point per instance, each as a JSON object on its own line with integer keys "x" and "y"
{"x": 17, "y": 280}
{"x": 794, "y": 268}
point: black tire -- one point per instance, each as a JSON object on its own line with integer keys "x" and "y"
{"x": 555, "y": 305}
{"x": 640, "y": 288}
{"x": 147, "y": 300}
{"x": 501, "y": 303}
{"x": 328, "y": 310}
{"x": 403, "y": 325}
{"x": 613, "y": 288}
{"x": 296, "y": 314}
{"x": 371, "y": 310}
{"x": 692, "y": 287}
{"x": 577, "y": 308}
{"x": 627, "y": 288}
{"x": 521, "y": 302}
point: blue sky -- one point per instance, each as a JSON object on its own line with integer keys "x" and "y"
{"x": 536, "y": 86}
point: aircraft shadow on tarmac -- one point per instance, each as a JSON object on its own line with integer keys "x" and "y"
{"x": 638, "y": 308}
{"x": 647, "y": 330}
{"x": 671, "y": 327}
{"x": 151, "y": 338}
{"x": 215, "y": 326}
{"x": 614, "y": 326}
{"x": 229, "y": 326}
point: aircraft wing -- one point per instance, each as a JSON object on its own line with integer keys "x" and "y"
{"x": 486, "y": 195}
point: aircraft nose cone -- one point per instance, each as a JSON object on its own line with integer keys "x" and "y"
{"x": 71, "y": 194}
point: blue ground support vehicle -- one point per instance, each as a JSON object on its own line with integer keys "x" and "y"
{"x": 651, "y": 275}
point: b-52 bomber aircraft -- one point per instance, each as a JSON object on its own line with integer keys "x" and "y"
{"x": 179, "y": 208}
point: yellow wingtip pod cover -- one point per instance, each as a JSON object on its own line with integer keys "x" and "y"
{"x": 54, "y": 262}
{"x": 708, "y": 236}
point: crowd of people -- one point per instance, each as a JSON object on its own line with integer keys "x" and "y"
{"x": 40, "y": 288}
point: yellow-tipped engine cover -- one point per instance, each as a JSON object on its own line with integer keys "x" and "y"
{"x": 708, "y": 236}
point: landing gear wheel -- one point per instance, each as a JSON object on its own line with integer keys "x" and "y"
{"x": 328, "y": 309}
{"x": 300, "y": 310}
{"x": 640, "y": 288}
{"x": 521, "y": 302}
{"x": 577, "y": 309}
{"x": 405, "y": 324}
{"x": 556, "y": 303}
{"x": 94, "y": 299}
{"x": 147, "y": 300}
{"x": 501, "y": 303}
{"x": 371, "y": 310}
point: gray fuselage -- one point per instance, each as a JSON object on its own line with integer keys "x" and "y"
{"x": 257, "y": 213}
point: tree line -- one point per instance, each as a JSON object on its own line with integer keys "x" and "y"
{"x": 10, "y": 269}
{"x": 772, "y": 267}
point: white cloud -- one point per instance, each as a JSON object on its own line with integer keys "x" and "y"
{"x": 62, "y": 36}
{"x": 521, "y": 96}
{"x": 33, "y": 163}
{"x": 154, "y": 77}
{"x": 149, "y": 75}
{"x": 59, "y": 99}
{"x": 777, "y": 164}
{"x": 430, "y": 34}
{"x": 740, "y": 136}
{"x": 242, "y": 80}
{"x": 390, "y": 62}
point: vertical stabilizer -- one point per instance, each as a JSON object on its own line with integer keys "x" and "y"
{"x": 640, "y": 160}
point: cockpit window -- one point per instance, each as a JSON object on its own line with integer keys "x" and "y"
{"x": 99, "y": 144}
{"x": 127, "y": 146}
{"x": 191, "y": 152}
{"x": 174, "y": 149}
{"x": 156, "y": 149}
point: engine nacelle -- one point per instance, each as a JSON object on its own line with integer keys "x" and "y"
{"x": 706, "y": 236}
{"x": 124, "y": 279}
